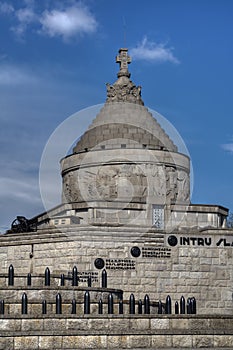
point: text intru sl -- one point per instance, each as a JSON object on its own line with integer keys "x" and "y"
{"x": 198, "y": 241}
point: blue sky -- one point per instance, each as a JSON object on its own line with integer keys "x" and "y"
{"x": 57, "y": 56}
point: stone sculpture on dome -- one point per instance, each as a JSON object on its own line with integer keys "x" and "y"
{"x": 124, "y": 90}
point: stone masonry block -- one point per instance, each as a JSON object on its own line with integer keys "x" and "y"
{"x": 200, "y": 341}
{"x": 54, "y": 324}
{"x": 160, "y": 323}
{"x": 50, "y": 342}
{"x": 11, "y": 324}
{"x": 6, "y": 343}
{"x": 77, "y": 324}
{"x": 139, "y": 341}
{"x": 224, "y": 341}
{"x": 182, "y": 341}
{"x": 82, "y": 342}
{"x": 26, "y": 343}
{"x": 116, "y": 342}
{"x": 32, "y": 325}
{"x": 161, "y": 341}
{"x": 180, "y": 323}
{"x": 98, "y": 324}
{"x": 139, "y": 324}
{"x": 118, "y": 325}
{"x": 197, "y": 324}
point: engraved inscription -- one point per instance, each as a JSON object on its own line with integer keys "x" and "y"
{"x": 156, "y": 252}
{"x": 120, "y": 264}
{"x": 83, "y": 276}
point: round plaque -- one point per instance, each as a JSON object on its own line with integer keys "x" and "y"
{"x": 172, "y": 241}
{"x": 135, "y": 252}
{"x": 99, "y": 263}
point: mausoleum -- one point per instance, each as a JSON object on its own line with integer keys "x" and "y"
{"x": 125, "y": 170}
{"x": 125, "y": 238}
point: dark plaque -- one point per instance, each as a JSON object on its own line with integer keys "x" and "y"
{"x": 172, "y": 241}
{"x": 135, "y": 252}
{"x": 99, "y": 263}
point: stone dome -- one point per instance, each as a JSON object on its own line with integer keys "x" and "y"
{"x": 128, "y": 121}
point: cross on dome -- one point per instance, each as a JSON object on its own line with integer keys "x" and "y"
{"x": 124, "y": 90}
{"x": 124, "y": 60}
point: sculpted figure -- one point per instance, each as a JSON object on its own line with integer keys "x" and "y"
{"x": 124, "y": 92}
{"x": 159, "y": 180}
{"x": 111, "y": 92}
{"x": 183, "y": 185}
{"x": 71, "y": 190}
{"x": 171, "y": 180}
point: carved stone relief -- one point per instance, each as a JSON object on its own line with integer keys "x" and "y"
{"x": 171, "y": 184}
{"x": 127, "y": 181}
{"x": 183, "y": 184}
{"x": 71, "y": 191}
{"x": 159, "y": 180}
{"x": 124, "y": 92}
{"x": 108, "y": 182}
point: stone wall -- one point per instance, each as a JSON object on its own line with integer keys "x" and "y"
{"x": 195, "y": 264}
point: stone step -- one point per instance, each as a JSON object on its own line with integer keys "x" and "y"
{"x": 119, "y": 332}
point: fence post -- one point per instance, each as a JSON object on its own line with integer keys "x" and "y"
{"x": 89, "y": 281}
{"x": 29, "y": 279}
{"x": 182, "y": 305}
{"x": 62, "y": 279}
{"x": 73, "y": 309}
{"x": 176, "y": 308}
{"x": 110, "y": 304}
{"x": 74, "y": 276}
{"x": 104, "y": 279}
{"x": 121, "y": 307}
{"x": 87, "y": 303}
{"x": 24, "y": 304}
{"x": 44, "y": 307}
{"x": 139, "y": 306}
{"x": 146, "y": 304}
{"x": 193, "y": 306}
{"x": 2, "y": 307}
{"x": 160, "y": 307}
{"x": 168, "y": 305}
{"x": 58, "y": 304}
{"x": 47, "y": 277}
{"x": 11, "y": 275}
{"x": 188, "y": 306}
{"x": 131, "y": 304}
{"x": 100, "y": 306}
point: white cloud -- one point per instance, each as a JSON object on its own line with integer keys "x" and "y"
{"x": 64, "y": 22}
{"x": 228, "y": 147}
{"x": 151, "y": 51}
{"x": 6, "y": 8}
{"x": 67, "y": 23}
{"x": 25, "y": 17}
